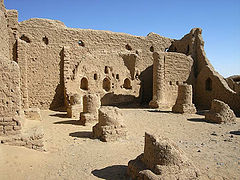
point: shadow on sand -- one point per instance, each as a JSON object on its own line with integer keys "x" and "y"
{"x": 59, "y": 115}
{"x": 197, "y": 120}
{"x": 235, "y": 132}
{"x": 115, "y": 172}
{"x": 81, "y": 134}
{"x": 73, "y": 122}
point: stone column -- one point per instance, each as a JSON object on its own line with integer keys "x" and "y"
{"x": 110, "y": 125}
{"x": 158, "y": 100}
{"x": 91, "y": 104}
{"x": 22, "y": 62}
{"x": 184, "y": 100}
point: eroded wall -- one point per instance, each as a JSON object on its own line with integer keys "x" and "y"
{"x": 209, "y": 84}
{"x": 4, "y": 38}
{"x": 89, "y": 53}
{"x": 10, "y": 102}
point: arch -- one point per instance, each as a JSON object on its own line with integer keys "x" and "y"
{"x": 127, "y": 84}
{"x": 84, "y": 83}
{"x": 106, "y": 84}
{"x": 208, "y": 84}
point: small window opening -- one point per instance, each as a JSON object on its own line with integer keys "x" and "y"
{"x": 152, "y": 49}
{"x": 45, "y": 40}
{"x": 95, "y": 76}
{"x": 208, "y": 85}
{"x": 187, "y": 50}
{"x": 106, "y": 84}
{"x": 117, "y": 76}
{"x": 84, "y": 83}
{"x": 137, "y": 52}
{"x": 136, "y": 76}
{"x": 177, "y": 83}
{"x": 25, "y": 38}
{"x": 127, "y": 84}
{"x": 170, "y": 82}
{"x": 113, "y": 75}
{"x": 106, "y": 70}
{"x": 81, "y": 43}
{"x": 128, "y": 47}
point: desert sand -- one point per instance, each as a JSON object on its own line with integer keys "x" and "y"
{"x": 71, "y": 153}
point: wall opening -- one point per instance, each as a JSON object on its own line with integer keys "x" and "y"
{"x": 45, "y": 40}
{"x": 84, "y": 83}
{"x": 187, "y": 52}
{"x": 25, "y": 38}
{"x": 208, "y": 85}
{"x": 81, "y": 43}
{"x": 117, "y": 76}
{"x": 152, "y": 49}
{"x": 170, "y": 82}
{"x": 127, "y": 84}
{"x": 106, "y": 84}
{"x": 95, "y": 76}
{"x": 128, "y": 47}
{"x": 136, "y": 76}
{"x": 106, "y": 70}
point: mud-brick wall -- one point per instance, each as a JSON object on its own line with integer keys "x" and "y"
{"x": 211, "y": 85}
{"x": 4, "y": 40}
{"x": 10, "y": 101}
{"x": 178, "y": 70}
{"x": 44, "y": 56}
{"x": 170, "y": 69}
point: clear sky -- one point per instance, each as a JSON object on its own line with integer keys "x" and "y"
{"x": 219, "y": 19}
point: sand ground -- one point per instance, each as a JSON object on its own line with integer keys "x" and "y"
{"x": 71, "y": 153}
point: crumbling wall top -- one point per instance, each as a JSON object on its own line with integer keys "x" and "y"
{"x": 46, "y": 23}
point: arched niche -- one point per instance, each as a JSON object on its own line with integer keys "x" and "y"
{"x": 84, "y": 84}
{"x": 106, "y": 84}
{"x": 127, "y": 84}
{"x": 208, "y": 84}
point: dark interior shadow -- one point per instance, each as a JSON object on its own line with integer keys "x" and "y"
{"x": 82, "y": 134}
{"x": 146, "y": 89}
{"x": 132, "y": 106}
{"x": 115, "y": 172}
{"x": 159, "y": 111}
{"x": 111, "y": 99}
{"x": 197, "y": 119}
{"x": 202, "y": 112}
{"x": 58, "y": 99}
{"x": 235, "y": 132}
{"x": 73, "y": 122}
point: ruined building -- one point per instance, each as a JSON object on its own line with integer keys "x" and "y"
{"x": 45, "y": 64}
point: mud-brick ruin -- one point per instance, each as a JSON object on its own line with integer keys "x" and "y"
{"x": 46, "y": 65}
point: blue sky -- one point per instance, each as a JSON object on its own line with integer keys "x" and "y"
{"x": 219, "y": 19}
